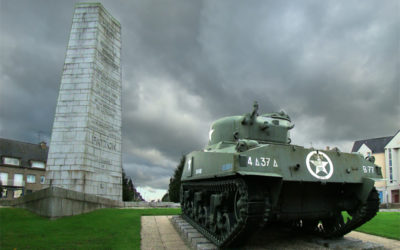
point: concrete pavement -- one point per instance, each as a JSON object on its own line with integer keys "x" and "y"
{"x": 385, "y": 242}
{"x": 158, "y": 233}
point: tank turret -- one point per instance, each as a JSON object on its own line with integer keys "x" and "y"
{"x": 266, "y": 128}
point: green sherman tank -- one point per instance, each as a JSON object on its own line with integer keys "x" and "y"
{"x": 249, "y": 175}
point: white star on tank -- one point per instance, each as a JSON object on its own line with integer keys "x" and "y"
{"x": 210, "y": 133}
{"x": 320, "y": 165}
{"x": 318, "y": 162}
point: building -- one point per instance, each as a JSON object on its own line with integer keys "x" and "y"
{"x": 386, "y": 153}
{"x": 392, "y": 162}
{"x": 22, "y": 167}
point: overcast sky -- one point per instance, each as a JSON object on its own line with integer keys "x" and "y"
{"x": 333, "y": 66}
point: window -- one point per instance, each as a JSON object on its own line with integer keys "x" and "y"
{"x": 18, "y": 179}
{"x": 391, "y": 174}
{"x": 380, "y": 196}
{"x": 3, "y": 193}
{"x": 11, "y": 161}
{"x": 42, "y": 179}
{"x": 4, "y": 179}
{"x": 390, "y": 157}
{"x": 17, "y": 193}
{"x": 37, "y": 164}
{"x": 30, "y": 178}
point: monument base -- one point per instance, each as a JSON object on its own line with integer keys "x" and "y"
{"x": 55, "y": 202}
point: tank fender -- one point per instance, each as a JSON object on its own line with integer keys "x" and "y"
{"x": 365, "y": 188}
{"x": 244, "y": 173}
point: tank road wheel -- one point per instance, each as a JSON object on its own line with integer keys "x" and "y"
{"x": 224, "y": 223}
{"x": 191, "y": 209}
{"x": 226, "y": 217}
{"x": 203, "y": 215}
{"x": 187, "y": 202}
{"x": 197, "y": 213}
{"x": 212, "y": 226}
{"x": 240, "y": 204}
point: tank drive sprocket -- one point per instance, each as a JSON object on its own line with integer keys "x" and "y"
{"x": 337, "y": 227}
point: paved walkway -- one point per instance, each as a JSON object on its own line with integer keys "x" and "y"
{"x": 158, "y": 233}
{"x": 385, "y": 242}
{"x": 389, "y": 210}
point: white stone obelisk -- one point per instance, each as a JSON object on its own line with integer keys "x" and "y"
{"x": 85, "y": 147}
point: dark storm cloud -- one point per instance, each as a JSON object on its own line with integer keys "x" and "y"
{"x": 332, "y": 65}
{"x": 32, "y": 50}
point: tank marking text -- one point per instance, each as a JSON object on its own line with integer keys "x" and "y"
{"x": 368, "y": 169}
{"x": 261, "y": 162}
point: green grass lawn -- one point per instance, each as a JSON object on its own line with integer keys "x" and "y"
{"x": 114, "y": 229}
{"x": 386, "y": 224}
{"x": 101, "y": 229}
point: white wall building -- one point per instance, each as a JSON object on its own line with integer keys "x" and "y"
{"x": 392, "y": 162}
{"x": 387, "y": 156}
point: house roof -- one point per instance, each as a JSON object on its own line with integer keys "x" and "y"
{"x": 394, "y": 142}
{"x": 377, "y": 145}
{"x": 23, "y": 150}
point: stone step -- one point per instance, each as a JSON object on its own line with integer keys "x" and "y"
{"x": 190, "y": 235}
{"x": 272, "y": 238}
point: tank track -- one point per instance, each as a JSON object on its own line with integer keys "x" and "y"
{"x": 336, "y": 227}
{"x": 246, "y": 215}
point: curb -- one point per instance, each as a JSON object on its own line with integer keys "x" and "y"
{"x": 196, "y": 241}
{"x": 193, "y": 238}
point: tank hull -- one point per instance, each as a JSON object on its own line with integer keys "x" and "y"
{"x": 228, "y": 194}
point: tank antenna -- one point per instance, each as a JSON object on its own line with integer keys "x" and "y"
{"x": 255, "y": 109}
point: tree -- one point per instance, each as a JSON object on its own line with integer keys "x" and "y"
{"x": 175, "y": 182}
{"x": 165, "y": 198}
{"x": 129, "y": 192}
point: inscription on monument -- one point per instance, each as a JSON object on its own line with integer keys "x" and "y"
{"x": 98, "y": 141}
